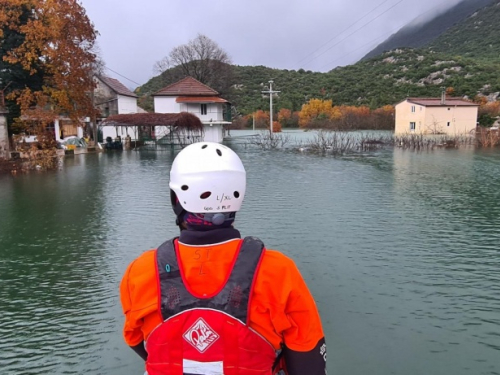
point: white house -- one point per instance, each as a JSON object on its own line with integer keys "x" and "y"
{"x": 111, "y": 97}
{"x": 190, "y": 95}
{"x": 453, "y": 116}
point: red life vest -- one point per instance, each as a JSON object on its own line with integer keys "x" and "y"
{"x": 208, "y": 336}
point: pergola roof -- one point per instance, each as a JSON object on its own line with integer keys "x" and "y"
{"x": 183, "y": 119}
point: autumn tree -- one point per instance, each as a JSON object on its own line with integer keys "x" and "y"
{"x": 13, "y": 76}
{"x": 48, "y": 59}
{"x": 316, "y": 113}
{"x": 488, "y": 113}
{"x": 261, "y": 119}
{"x": 202, "y": 59}
{"x": 352, "y": 117}
{"x": 384, "y": 118}
{"x": 287, "y": 118}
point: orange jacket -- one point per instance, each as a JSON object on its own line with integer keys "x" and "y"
{"x": 281, "y": 308}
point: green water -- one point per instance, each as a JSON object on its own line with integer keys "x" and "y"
{"x": 400, "y": 249}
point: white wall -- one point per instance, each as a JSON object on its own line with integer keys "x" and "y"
{"x": 213, "y": 133}
{"x": 214, "y": 111}
{"x": 113, "y": 131}
{"x": 166, "y": 104}
{"x": 126, "y": 104}
{"x": 4, "y": 138}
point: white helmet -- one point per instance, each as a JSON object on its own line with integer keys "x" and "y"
{"x": 208, "y": 177}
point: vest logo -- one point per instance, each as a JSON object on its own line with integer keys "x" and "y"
{"x": 201, "y": 335}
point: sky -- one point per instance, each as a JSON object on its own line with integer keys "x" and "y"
{"x": 316, "y": 35}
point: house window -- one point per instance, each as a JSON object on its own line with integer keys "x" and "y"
{"x": 203, "y": 109}
{"x": 413, "y": 109}
{"x": 448, "y": 124}
{"x": 412, "y": 125}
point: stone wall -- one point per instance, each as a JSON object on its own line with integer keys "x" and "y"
{"x": 4, "y": 136}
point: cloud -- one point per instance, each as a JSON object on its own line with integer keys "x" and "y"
{"x": 286, "y": 34}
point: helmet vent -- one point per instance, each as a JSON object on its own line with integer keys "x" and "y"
{"x": 205, "y": 195}
{"x": 236, "y": 194}
{"x": 184, "y": 187}
{"x": 219, "y": 152}
{"x": 204, "y": 146}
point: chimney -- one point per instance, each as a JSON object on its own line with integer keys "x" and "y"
{"x": 443, "y": 96}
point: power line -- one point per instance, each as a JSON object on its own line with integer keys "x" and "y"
{"x": 399, "y": 27}
{"x": 317, "y": 49}
{"x": 138, "y": 84}
{"x": 355, "y": 31}
{"x": 364, "y": 45}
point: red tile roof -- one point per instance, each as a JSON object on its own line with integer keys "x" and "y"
{"x": 200, "y": 99}
{"x": 187, "y": 87}
{"x": 435, "y": 102}
{"x": 117, "y": 86}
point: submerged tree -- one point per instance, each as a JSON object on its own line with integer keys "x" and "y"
{"x": 202, "y": 59}
{"x": 47, "y": 59}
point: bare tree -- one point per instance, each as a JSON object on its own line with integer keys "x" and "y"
{"x": 202, "y": 59}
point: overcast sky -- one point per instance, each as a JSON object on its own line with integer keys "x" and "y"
{"x": 315, "y": 35}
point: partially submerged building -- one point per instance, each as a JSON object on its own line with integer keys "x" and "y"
{"x": 453, "y": 116}
{"x": 190, "y": 95}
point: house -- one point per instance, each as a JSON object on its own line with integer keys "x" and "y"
{"x": 446, "y": 115}
{"x": 112, "y": 97}
{"x": 190, "y": 95}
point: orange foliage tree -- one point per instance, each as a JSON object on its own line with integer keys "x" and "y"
{"x": 261, "y": 119}
{"x": 384, "y": 117}
{"x": 276, "y": 127}
{"x": 58, "y": 39}
{"x": 288, "y": 119}
{"x": 316, "y": 113}
{"x": 488, "y": 112}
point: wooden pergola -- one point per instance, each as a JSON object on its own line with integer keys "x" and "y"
{"x": 182, "y": 127}
{"x": 183, "y": 120}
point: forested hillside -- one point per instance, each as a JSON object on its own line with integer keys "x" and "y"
{"x": 464, "y": 58}
{"x": 478, "y": 36}
{"x": 419, "y": 33}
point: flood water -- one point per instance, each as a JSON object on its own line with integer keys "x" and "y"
{"x": 400, "y": 249}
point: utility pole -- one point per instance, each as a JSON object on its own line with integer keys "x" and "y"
{"x": 271, "y": 92}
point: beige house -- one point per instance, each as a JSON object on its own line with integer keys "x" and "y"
{"x": 452, "y": 116}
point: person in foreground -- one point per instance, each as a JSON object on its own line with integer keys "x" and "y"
{"x": 210, "y": 302}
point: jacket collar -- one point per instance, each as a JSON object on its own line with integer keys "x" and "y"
{"x": 193, "y": 237}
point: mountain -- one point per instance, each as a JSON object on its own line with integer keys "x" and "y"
{"x": 420, "y": 32}
{"x": 464, "y": 57}
{"x": 477, "y": 36}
